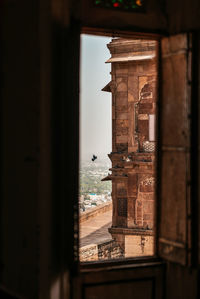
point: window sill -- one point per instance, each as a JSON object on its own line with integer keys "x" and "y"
{"x": 119, "y": 264}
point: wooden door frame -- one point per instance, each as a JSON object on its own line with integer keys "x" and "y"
{"x": 127, "y": 262}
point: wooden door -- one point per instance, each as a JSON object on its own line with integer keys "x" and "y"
{"x": 143, "y": 280}
{"x": 174, "y": 221}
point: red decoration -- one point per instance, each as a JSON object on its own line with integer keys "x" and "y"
{"x": 116, "y": 4}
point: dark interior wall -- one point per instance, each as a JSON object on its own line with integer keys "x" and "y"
{"x": 39, "y": 138}
{"x": 167, "y": 17}
{"x": 182, "y": 15}
{"x": 26, "y": 155}
{"x": 65, "y": 139}
{"x": 20, "y": 146}
{"x": 44, "y": 201}
{"x": 153, "y": 19}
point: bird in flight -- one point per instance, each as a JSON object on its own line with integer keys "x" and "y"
{"x": 94, "y": 158}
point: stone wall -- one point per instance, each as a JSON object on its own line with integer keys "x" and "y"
{"x": 88, "y": 253}
{"x": 135, "y": 245}
{"x": 134, "y": 242}
{"x": 93, "y": 212}
{"x": 102, "y": 251}
{"x": 139, "y": 245}
{"x": 109, "y": 250}
{"x": 134, "y": 96}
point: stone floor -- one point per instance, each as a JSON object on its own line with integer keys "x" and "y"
{"x": 95, "y": 230}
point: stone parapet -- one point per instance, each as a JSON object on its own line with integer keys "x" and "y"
{"x": 130, "y": 231}
{"x": 109, "y": 249}
{"x": 93, "y": 212}
{"x": 88, "y": 253}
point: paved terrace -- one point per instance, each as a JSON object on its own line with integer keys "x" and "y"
{"x": 95, "y": 230}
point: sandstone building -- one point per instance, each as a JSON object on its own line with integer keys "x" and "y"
{"x": 133, "y": 88}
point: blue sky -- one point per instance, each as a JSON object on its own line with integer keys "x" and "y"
{"x": 95, "y": 105}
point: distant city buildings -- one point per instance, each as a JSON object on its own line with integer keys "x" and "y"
{"x": 93, "y": 192}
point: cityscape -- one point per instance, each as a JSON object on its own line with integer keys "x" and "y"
{"x": 92, "y": 191}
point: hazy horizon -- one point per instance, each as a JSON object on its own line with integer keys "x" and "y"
{"x": 95, "y": 105}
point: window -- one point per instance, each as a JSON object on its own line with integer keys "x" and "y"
{"x": 119, "y": 222}
{"x": 151, "y": 127}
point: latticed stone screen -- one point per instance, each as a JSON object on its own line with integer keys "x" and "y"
{"x": 122, "y": 207}
{"x": 149, "y": 146}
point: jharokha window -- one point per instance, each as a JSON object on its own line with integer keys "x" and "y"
{"x": 117, "y": 220}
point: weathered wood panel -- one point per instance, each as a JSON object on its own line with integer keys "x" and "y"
{"x": 139, "y": 282}
{"x": 174, "y": 145}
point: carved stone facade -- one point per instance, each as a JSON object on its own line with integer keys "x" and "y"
{"x": 134, "y": 93}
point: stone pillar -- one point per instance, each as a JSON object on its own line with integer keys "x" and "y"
{"x": 133, "y": 88}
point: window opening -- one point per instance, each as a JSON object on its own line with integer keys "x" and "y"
{"x": 151, "y": 127}
{"x": 116, "y": 195}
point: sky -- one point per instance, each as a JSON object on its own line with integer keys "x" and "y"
{"x": 95, "y": 105}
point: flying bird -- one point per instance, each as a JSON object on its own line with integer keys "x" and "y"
{"x": 94, "y": 158}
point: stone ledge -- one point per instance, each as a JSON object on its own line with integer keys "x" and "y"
{"x": 130, "y": 231}
{"x": 93, "y": 212}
